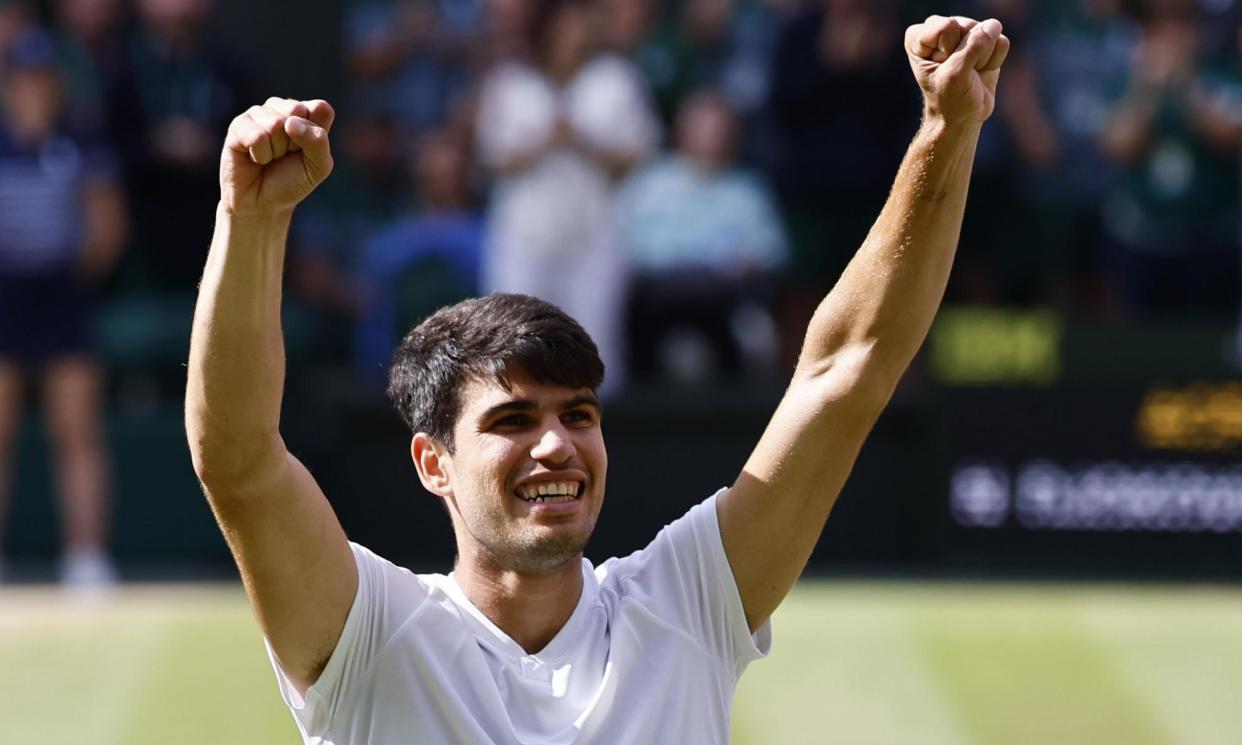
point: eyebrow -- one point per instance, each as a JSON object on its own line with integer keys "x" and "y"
{"x": 524, "y": 404}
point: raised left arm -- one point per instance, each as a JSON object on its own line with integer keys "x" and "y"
{"x": 866, "y": 331}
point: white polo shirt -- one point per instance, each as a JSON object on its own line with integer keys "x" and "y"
{"x": 652, "y": 654}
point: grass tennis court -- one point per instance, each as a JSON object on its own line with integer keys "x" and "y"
{"x": 854, "y": 663}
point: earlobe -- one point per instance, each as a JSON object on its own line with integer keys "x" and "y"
{"x": 432, "y": 463}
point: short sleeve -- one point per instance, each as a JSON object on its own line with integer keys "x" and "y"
{"x": 517, "y": 113}
{"x": 684, "y": 578}
{"x": 609, "y": 106}
{"x": 387, "y": 596}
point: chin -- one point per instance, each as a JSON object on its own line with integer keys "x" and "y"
{"x": 549, "y": 554}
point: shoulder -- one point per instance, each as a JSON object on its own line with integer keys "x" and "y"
{"x": 511, "y": 75}
{"x": 8, "y": 148}
{"x": 660, "y": 169}
{"x": 388, "y": 583}
{"x": 608, "y": 69}
{"x": 742, "y": 185}
{"x": 690, "y": 535}
{"x": 512, "y": 96}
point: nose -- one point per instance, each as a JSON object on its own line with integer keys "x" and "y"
{"x": 554, "y": 445}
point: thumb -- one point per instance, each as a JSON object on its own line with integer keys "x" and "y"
{"x": 313, "y": 140}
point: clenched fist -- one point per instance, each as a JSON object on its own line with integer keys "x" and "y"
{"x": 274, "y": 155}
{"x": 956, "y": 62}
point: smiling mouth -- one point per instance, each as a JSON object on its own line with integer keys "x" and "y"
{"x": 553, "y": 492}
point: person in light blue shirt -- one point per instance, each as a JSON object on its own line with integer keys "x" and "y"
{"x": 704, "y": 241}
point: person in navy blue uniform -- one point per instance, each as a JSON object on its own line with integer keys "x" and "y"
{"x": 62, "y": 226}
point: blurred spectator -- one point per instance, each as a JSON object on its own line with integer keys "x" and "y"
{"x": 704, "y": 241}
{"x": 506, "y": 28}
{"x": 369, "y": 189}
{"x": 1081, "y": 53}
{"x": 557, "y": 133}
{"x": 14, "y": 18}
{"x": 995, "y": 263}
{"x": 92, "y": 53}
{"x": 626, "y": 25}
{"x": 686, "y": 51}
{"x": 1173, "y": 220}
{"x": 168, "y": 114}
{"x": 841, "y": 106}
{"x": 423, "y": 261}
{"x": 723, "y": 44}
{"x": 413, "y": 54}
{"x": 62, "y": 225}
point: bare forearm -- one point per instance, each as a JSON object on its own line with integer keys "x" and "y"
{"x": 106, "y": 227}
{"x": 887, "y": 296}
{"x": 237, "y": 365}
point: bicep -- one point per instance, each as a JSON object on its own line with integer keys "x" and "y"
{"x": 772, "y": 516}
{"x": 295, "y": 562}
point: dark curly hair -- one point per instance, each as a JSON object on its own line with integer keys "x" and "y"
{"x": 486, "y": 338}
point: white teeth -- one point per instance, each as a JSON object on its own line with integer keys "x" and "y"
{"x": 560, "y": 491}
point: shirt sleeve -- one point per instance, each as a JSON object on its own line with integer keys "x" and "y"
{"x": 684, "y": 578}
{"x": 610, "y": 108}
{"x": 515, "y": 115}
{"x": 387, "y": 596}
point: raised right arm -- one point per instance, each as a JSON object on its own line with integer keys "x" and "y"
{"x": 292, "y": 553}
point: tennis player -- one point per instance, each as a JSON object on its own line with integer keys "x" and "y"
{"x": 526, "y": 641}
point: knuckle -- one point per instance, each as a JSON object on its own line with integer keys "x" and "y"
{"x": 259, "y": 138}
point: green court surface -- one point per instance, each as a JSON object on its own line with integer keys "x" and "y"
{"x": 853, "y": 662}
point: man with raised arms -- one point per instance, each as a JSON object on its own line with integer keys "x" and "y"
{"x": 526, "y": 641}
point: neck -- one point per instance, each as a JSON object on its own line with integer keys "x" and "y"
{"x": 28, "y": 132}
{"x": 562, "y": 71}
{"x": 531, "y": 608}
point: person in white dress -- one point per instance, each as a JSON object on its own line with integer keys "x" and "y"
{"x": 557, "y": 131}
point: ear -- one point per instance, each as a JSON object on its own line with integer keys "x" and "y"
{"x": 433, "y": 463}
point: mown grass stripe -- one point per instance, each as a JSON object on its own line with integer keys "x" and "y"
{"x": 1181, "y": 649}
{"x": 1024, "y": 673}
{"x": 844, "y": 669}
{"x": 214, "y": 678}
{"x": 882, "y": 663}
{"x": 70, "y": 681}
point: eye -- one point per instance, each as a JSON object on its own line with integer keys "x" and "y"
{"x": 512, "y": 420}
{"x": 581, "y": 417}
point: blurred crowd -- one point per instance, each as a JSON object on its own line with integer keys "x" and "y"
{"x": 685, "y": 177}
